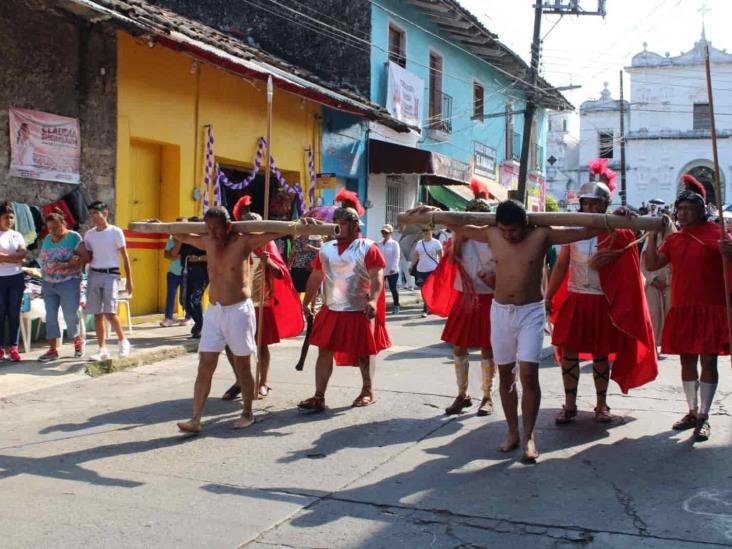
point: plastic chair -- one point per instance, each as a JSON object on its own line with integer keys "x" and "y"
{"x": 123, "y": 298}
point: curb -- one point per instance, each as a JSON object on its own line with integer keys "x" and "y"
{"x": 96, "y": 369}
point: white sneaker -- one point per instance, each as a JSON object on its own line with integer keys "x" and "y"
{"x": 102, "y": 354}
{"x": 167, "y": 323}
{"x": 124, "y": 348}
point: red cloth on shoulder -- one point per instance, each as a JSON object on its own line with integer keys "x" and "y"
{"x": 697, "y": 320}
{"x": 286, "y": 306}
{"x": 634, "y": 361}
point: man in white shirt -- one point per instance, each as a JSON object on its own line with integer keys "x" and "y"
{"x": 106, "y": 243}
{"x": 392, "y": 254}
{"x": 425, "y": 258}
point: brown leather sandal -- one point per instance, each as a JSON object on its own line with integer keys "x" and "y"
{"x": 603, "y": 415}
{"x": 458, "y": 405}
{"x": 565, "y": 415}
{"x": 315, "y": 403}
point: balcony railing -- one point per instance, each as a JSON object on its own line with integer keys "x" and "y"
{"x": 440, "y": 113}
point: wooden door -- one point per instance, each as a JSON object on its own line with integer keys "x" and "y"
{"x": 145, "y": 253}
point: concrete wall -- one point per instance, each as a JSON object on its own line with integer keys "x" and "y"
{"x": 655, "y": 167}
{"x": 287, "y": 34}
{"x": 56, "y": 63}
{"x": 663, "y": 97}
{"x": 377, "y": 195}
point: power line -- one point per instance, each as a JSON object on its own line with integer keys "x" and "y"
{"x": 353, "y": 41}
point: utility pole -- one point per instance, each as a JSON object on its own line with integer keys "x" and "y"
{"x": 623, "y": 186}
{"x": 530, "y": 104}
{"x": 556, "y": 7}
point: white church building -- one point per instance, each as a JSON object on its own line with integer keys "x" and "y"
{"x": 667, "y": 125}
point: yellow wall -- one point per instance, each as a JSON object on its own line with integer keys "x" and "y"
{"x": 164, "y": 98}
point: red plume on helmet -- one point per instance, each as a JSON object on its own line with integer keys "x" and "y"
{"x": 480, "y": 189}
{"x": 598, "y": 166}
{"x": 244, "y": 201}
{"x": 611, "y": 177}
{"x": 349, "y": 199}
{"x": 692, "y": 184}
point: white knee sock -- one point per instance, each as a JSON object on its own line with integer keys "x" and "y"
{"x": 691, "y": 389}
{"x": 488, "y": 372}
{"x": 462, "y": 365}
{"x": 706, "y": 391}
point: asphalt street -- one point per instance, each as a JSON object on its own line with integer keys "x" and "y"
{"x": 99, "y": 463}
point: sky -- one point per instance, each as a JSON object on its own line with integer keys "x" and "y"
{"x": 590, "y": 50}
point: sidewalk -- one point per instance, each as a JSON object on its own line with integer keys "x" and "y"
{"x": 150, "y": 343}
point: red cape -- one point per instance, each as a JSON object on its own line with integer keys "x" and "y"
{"x": 438, "y": 291}
{"x": 635, "y": 364}
{"x": 286, "y": 304}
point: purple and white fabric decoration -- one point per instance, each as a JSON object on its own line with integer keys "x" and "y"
{"x": 208, "y": 168}
{"x": 311, "y": 175}
{"x": 296, "y": 189}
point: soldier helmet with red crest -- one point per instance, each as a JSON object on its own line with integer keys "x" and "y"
{"x": 350, "y": 208}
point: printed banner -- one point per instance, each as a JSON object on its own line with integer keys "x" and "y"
{"x": 44, "y": 146}
{"x": 404, "y": 95}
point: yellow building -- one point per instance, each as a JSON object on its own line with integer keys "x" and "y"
{"x": 178, "y": 79}
{"x": 166, "y": 100}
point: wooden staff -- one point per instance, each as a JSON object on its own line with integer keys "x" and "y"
{"x": 718, "y": 187}
{"x": 291, "y": 228}
{"x": 544, "y": 219}
{"x": 265, "y": 215}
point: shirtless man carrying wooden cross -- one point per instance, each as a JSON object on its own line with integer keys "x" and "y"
{"x": 518, "y": 310}
{"x": 230, "y": 318}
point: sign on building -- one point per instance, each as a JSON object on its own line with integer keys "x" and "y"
{"x": 44, "y": 146}
{"x": 445, "y": 166}
{"x": 485, "y": 160}
{"x": 404, "y": 95}
{"x": 326, "y": 181}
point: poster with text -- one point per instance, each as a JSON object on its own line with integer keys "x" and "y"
{"x": 44, "y": 146}
{"x": 404, "y": 95}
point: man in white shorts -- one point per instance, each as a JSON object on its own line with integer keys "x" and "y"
{"x": 105, "y": 243}
{"x": 517, "y": 313}
{"x": 230, "y": 318}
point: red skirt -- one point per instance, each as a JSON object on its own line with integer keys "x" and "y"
{"x": 270, "y": 333}
{"x": 348, "y": 332}
{"x": 695, "y": 329}
{"x": 469, "y": 326}
{"x": 583, "y": 325}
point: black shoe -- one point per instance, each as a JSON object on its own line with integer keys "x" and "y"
{"x": 702, "y": 431}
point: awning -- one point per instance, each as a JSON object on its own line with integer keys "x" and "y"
{"x": 393, "y": 159}
{"x": 449, "y": 197}
{"x": 435, "y": 168}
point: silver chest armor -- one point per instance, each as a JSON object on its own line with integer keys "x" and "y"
{"x": 347, "y": 283}
{"x": 583, "y": 279}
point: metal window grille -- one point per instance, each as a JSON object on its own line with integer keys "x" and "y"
{"x": 606, "y": 145}
{"x": 394, "y": 199}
